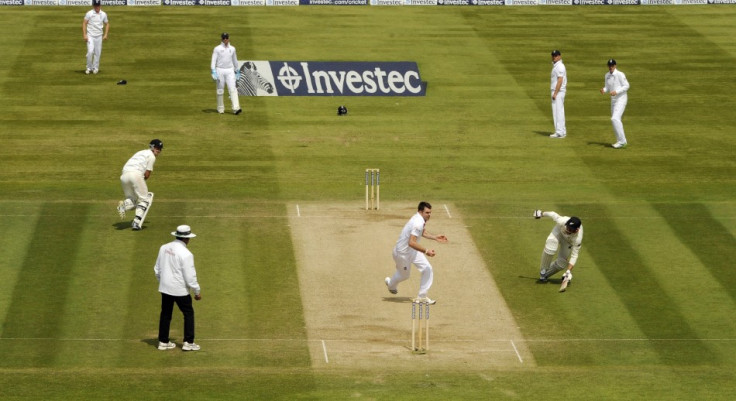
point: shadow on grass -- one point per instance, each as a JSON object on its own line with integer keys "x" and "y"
{"x": 122, "y": 225}
{"x": 549, "y": 281}
{"x": 151, "y": 341}
{"x": 603, "y": 144}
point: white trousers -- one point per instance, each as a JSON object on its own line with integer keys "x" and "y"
{"x": 226, "y": 76}
{"x": 558, "y": 114}
{"x": 617, "y": 111}
{"x": 550, "y": 248}
{"x": 136, "y": 191}
{"x": 94, "y": 50}
{"x": 403, "y": 270}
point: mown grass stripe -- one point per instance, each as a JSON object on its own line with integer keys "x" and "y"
{"x": 656, "y": 313}
{"x": 41, "y": 290}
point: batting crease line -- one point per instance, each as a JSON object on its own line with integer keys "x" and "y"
{"x": 448, "y": 211}
{"x": 517, "y": 352}
{"x": 324, "y": 350}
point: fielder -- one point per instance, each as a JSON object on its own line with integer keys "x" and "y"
{"x": 224, "y": 68}
{"x": 92, "y": 31}
{"x": 133, "y": 179}
{"x": 408, "y": 251}
{"x": 558, "y": 87}
{"x": 567, "y": 236}
{"x": 617, "y": 86}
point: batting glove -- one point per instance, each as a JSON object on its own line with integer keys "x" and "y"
{"x": 214, "y": 74}
{"x": 537, "y": 214}
{"x": 237, "y": 75}
{"x": 567, "y": 275}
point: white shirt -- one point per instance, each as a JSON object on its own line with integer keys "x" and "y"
{"x": 575, "y": 240}
{"x": 224, "y": 57}
{"x": 415, "y": 227}
{"x": 140, "y": 162}
{"x": 95, "y": 22}
{"x": 175, "y": 271}
{"x": 616, "y": 82}
{"x": 558, "y": 70}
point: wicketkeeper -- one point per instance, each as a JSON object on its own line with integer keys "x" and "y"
{"x": 567, "y": 236}
{"x": 133, "y": 179}
{"x": 224, "y": 69}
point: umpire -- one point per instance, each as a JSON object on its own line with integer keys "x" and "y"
{"x": 176, "y": 275}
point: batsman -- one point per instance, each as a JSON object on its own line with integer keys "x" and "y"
{"x": 567, "y": 237}
{"x": 133, "y": 179}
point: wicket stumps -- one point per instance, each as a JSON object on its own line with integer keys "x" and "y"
{"x": 372, "y": 188}
{"x": 420, "y": 337}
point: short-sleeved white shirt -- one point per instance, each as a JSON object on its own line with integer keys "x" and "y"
{"x": 415, "y": 227}
{"x": 140, "y": 162}
{"x": 95, "y": 22}
{"x": 558, "y": 70}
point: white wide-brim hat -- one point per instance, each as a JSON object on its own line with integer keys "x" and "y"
{"x": 183, "y": 231}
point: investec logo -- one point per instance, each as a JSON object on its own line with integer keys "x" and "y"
{"x": 310, "y": 78}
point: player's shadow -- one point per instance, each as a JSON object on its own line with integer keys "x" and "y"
{"x": 210, "y": 111}
{"x": 121, "y": 225}
{"x": 543, "y": 133}
{"x": 549, "y": 281}
{"x": 125, "y": 225}
{"x": 398, "y": 300}
{"x": 151, "y": 341}
{"x": 603, "y": 144}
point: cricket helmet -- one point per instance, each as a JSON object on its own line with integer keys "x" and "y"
{"x": 573, "y": 224}
{"x": 156, "y": 143}
{"x": 342, "y": 110}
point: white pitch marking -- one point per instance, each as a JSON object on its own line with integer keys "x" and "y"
{"x": 448, "y": 211}
{"x": 517, "y": 351}
{"x": 298, "y": 212}
{"x": 324, "y": 350}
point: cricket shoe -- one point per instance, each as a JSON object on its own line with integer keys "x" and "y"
{"x": 87, "y": 71}
{"x": 238, "y": 111}
{"x": 387, "y": 280}
{"x": 425, "y": 300}
{"x": 189, "y": 347}
{"x": 95, "y": 71}
{"x": 618, "y": 145}
{"x": 121, "y": 209}
{"x": 558, "y": 136}
{"x": 165, "y": 346}
{"x": 135, "y": 226}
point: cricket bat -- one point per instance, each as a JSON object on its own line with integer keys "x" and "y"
{"x": 565, "y": 282}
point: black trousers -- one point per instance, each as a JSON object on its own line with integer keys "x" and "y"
{"x": 167, "y": 308}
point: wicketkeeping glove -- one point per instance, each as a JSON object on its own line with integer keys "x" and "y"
{"x": 537, "y": 214}
{"x": 214, "y": 74}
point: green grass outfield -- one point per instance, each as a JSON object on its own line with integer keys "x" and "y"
{"x": 650, "y": 315}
